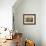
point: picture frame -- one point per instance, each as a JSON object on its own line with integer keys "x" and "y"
{"x": 29, "y": 19}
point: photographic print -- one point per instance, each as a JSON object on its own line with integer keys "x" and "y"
{"x": 29, "y": 19}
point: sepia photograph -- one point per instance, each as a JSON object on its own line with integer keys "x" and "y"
{"x": 22, "y": 22}
{"x": 29, "y": 19}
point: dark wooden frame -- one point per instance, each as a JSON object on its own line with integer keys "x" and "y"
{"x": 29, "y": 15}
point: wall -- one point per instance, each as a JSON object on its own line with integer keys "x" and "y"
{"x": 6, "y": 13}
{"x": 43, "y": 22}
{"x": 32, "y": 32}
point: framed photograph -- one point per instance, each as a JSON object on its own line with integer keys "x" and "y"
{"x": 29, "y": 19}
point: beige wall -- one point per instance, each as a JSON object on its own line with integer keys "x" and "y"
{"x": 39, "y": 7}
{"x": 29, "y": 31}
{"x": 43, "y": 22}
